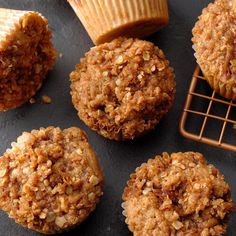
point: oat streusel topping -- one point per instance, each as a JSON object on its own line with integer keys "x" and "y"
{"x": 50, "y": 179}
{"x": 123, "y": 88}
{"x": 26, "y": 56}
{"x": 214, "y": 43}
{"x": 178, "y": 195}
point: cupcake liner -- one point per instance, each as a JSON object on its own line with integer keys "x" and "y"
{"x": 10, "y": 20}
{"x": 124, "y": 211}
{"x": 106, "y": 20}
{"x": 226, "y": 89}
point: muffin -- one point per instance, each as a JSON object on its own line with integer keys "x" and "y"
{"x": 50, "y": 180}
{"x": 107, "y": 20}
{"x": 26, "y": 56}
{"x": 122, "y": 89}
{"x": 214, "y": 44}
{"x": 177, "y": 194}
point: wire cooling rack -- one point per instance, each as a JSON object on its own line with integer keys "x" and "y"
{"x": 207, "y": 117}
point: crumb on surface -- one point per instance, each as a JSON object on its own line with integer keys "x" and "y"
{"x": 46, "y": 99}
{"x": 32, "y": 101}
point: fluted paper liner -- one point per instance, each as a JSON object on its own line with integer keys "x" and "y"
{"x": 106, "y": 20}
{"x": 226, "y": 89}
{"x": 10, "y": 20}
{"x": 234, "y": 5}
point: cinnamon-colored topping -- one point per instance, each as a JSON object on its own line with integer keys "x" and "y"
{"x": 50, "y": 179}
{"x": 122, "y": 89}
{"x": 178, "y": 194}
{"x": 214, "y": 43}
{"x": 26, "y": 56}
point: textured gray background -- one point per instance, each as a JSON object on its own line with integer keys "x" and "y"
{"x": 118, "y": 159}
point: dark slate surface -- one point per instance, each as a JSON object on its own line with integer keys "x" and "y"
{"x": 118, "y": 159}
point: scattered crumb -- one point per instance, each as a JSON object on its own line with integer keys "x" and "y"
{"x": 60, "y": 55}
{"x": 46, "y": 99}
{"x": 32, "y": 101}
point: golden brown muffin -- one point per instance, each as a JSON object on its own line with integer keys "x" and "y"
{"x": 178, "y": 194}
{"x": 214, "y": 42}
{"x": 107, "y": 20}
{"x": 26, "y": 56}
{"x": 50, "y": 180}
{"x": 122, "y": 89}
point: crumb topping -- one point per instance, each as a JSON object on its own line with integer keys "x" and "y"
{"x": 123, "y": 88}
{"x": 177, "y": 195}
{"x": 50, "y": 179}
{"x": 26, "y": 56}
{"x": 214, "y": 42}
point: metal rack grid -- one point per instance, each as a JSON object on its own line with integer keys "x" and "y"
{"x": 209, "y": 100}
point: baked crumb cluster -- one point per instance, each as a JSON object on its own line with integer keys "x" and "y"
{"x": 26, "y": 55}
{"x": 50, "y": 179}
{"x": 214, "y": 42}
{"x": 123, "y": 88}
{"x": 177, "y": 195}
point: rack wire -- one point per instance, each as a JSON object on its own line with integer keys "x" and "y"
{"x": 205, "y": 117}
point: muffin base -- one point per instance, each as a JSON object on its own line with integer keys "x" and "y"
{"x": 139, "y": 29}
{"x": 226, "y": 90}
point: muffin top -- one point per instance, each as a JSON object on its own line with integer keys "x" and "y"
{"x": 214, "y": 41}
{"x": 50, "y": 179}
{"x": 178, "y": 194}
{"x": 123, "y": 88}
